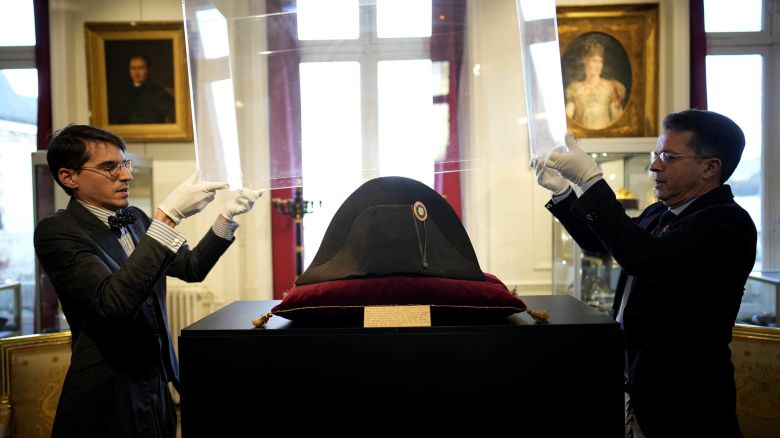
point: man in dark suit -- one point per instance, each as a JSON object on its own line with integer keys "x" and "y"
{"x": 684, "y": 264}
{"x": 109, "y": 273}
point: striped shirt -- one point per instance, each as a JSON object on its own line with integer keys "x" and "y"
{"x": 159, "y": 231}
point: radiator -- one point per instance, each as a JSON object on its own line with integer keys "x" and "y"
{"x": 187, "y": 304}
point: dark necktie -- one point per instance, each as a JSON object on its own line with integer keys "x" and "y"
{"x": 120, "y": 220}
{"x": 663, "y": 222}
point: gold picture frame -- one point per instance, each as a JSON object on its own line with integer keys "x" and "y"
{"x": 619, "y": 98}
{"x": 138, "y": 83}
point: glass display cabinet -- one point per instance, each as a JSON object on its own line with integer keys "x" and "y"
{"x": 592, "y": 277}
{"x": 10, "y": 308}
{"x": 761, "y": 299}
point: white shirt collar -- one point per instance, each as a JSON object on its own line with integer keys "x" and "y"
{"x": 679, "y": 209}
{"x": 100, "y": 212}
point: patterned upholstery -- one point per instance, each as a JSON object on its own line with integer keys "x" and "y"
{"x": 755, "y": 352}
{"x": 33, "y": 369}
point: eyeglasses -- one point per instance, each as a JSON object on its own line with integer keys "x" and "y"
{"x": 113, "y": 168}
{"x": 668, "y": 157}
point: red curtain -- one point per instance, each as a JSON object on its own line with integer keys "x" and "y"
{"x": 285, "y": 132}
{"x": 46, "y": 319}
{"x": 43, "y": 64}
{"x": 698, "y": 55}
{"x": 447, "y": 36}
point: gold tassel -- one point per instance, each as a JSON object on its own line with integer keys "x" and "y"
{"x": 541, "y": 317}
{"x": 260, "y": 322}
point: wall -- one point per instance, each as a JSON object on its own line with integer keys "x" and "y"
{"x": 504, "y": 209}
{"x": 245, "y": 270}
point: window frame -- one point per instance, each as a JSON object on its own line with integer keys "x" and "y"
{"x": 381, "y": 49}
{"x": 367, "y": 50}
{"x": 764, "y": 36}
{"x": 17, "y": 57}
{"x": 767, "y": 44}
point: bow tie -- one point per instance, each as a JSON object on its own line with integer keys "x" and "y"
{"x": 120, "y": 220}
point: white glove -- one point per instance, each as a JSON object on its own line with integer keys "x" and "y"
{"x": 549, "y": 179}
{"x": 190, "y": 198}
{"x": 574, "y": 165}
{"x": 242, "y": 202}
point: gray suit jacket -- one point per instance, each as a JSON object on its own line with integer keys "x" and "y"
{"x": 115, "y": 306}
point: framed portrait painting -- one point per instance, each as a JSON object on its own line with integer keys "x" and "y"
{"x": 609, "y": 61}
{"x": 138, "y": 84}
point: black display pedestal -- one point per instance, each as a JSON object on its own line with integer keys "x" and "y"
{"x": 564, "y": 378}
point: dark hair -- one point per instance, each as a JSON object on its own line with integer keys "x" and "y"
{"x": 68, "y": 148}
{"x": 592, "y": 47}
{"x": 140, "y": 56}
{"x": 713, "y": 135}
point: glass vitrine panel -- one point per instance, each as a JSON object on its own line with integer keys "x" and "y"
{"x": 591, "y": 276}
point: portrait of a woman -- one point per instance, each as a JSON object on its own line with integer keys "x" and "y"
{"x": 595, "y": 76}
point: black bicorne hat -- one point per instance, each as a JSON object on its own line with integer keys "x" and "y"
{"x": 394, "y": 226}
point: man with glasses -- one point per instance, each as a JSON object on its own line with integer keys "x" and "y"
{"x": 108, "y": 262}
{"x": 684, "y": 260}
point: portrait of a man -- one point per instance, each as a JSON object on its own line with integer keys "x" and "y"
{"x": 139, "y": 78}
{"x": 597, "y": 80}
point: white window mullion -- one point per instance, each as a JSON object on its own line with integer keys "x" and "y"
{"x": 370, "y": 117}
{"x": 771, "y": 237}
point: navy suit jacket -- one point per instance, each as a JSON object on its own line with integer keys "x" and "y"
{"x": 687, "y": 288}
{"x": 115, "y": 306}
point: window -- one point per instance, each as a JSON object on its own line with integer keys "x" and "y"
{"x": 731, "y": 16}
{"x": 403, "y": 18}
{"x": 367, "y": 100}
{"x": 743, "y": 82}
{"x": 735, "y": 85}
{"x": 18, "y": 130}
{"x": 328, "y": 20}
{"x": 331, "y": 161}
{"x": 18, "y": 23}
{"x": 742, "y": 63}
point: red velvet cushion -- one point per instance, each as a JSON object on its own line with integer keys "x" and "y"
{"x": 451, "y": 300}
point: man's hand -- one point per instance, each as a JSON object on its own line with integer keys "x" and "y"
{"x": 240, "y": 203}
{"x": 189, "y": 198}
{"x": 574, "y": 165}
{"x": 549, "y": 179}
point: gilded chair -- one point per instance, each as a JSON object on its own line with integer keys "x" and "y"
{"x": 755, "y": 352}
{"x": 33, "y": 369}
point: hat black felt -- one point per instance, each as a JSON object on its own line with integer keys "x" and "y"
{"x": 375, "y": 233}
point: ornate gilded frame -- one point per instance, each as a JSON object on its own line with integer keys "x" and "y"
{"x": 755, "y": 353}
{"x": 635, "y": 29}
{"x": 97, "y": 36}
